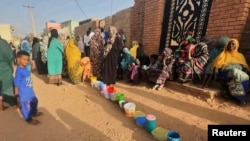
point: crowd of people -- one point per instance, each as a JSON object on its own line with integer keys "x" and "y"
{"x": 103, "y": 54}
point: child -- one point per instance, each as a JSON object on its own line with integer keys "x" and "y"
{"x": 85, "y": 62}
{"x": 24, "y": 89}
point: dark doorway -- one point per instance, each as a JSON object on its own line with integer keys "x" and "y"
{"x": 181, "y": 16}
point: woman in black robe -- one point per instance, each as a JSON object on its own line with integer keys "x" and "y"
{"x": 37, "y": 57}
{"x": 110, "y": 62}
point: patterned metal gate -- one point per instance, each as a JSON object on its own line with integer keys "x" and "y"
{"x": 181, "y": 16}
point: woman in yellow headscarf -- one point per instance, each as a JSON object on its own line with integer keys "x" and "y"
{"x": 230, "y": 54}
{"x": 73, "y": 56}
{"x": 231, "y": 67}
{"x": 133, "y": 49}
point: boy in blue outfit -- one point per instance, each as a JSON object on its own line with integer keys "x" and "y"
{"x": 24, "y": 89}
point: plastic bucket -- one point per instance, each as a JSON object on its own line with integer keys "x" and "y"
{"x": 93, "y": 78}
{"x": 151, "y": 123}
{"x": 173, "y": 136}
{"x": 121, "y": 103}
{"x": 120, "y": 96}
{"x": 129, "y": 109}
{"x": 106, "y": 94}
{"x": 110, "y": 89}
{"x": 141, "y": 121}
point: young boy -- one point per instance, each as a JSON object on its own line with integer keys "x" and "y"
{"x": 24, "y": 89}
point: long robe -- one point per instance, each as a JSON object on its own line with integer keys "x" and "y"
{"x": 37, "y": 57}
{"x": 54, "y": 57}
{"x": 73, "y": 56}
{"x": 110, "y": 62}
{"x": 6, "y": 70}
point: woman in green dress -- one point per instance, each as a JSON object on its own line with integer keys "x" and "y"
{"x": 54, "y": 58}
{"x": 6, "y": 77}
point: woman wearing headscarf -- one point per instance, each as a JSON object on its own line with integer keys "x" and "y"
{"x": 73, "y": 56}
{"x": 231, "y": 67}
{"x": 36, "y": 57}
{"x": 96, "y": 53}
{"x": 134, "y": 47}
{"x": 25, "y": 46}
{"x": 6, "y": 77}
{"x": 194, "y": 65}
{"x": 54, "y": 58}
{"x": 141, "y": 60}
{"x": 216, "y": 49}
{"x": 110, "y": 62}
{"x": 160, "y": 75}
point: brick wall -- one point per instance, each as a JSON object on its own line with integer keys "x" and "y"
{"x": 137, "y": 20}
{"x": 146, "y": 23}
{"x": 152, "y": 25}
{"x": 231, "y": 18}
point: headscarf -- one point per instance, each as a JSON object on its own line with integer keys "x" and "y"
{"x": 134, "y": 47}
{"x": 167, "y": 51}
{"x": 226, "y": 57}
{"x": 211, "y": 43}
{"x": 53, "y": 34}
{"x": 222, "y": 41}
{"x": 80, "y": 43}
{"x": 113, "y": 32}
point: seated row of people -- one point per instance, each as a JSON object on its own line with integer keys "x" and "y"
{"x": 194, "y": 61}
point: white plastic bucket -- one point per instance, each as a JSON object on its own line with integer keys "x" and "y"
{"x": 129, "y": 109}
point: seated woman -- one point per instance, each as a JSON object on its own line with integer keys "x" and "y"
{"x": 154, "y": 64}
{"x": 159, "y": 76}
{"x": 141, "y": 60}
{"x": 194, "y": 65}
{"x": 231, "y": 67}
{"x": 127, "y": 60}
{"x": 214, "y": 52}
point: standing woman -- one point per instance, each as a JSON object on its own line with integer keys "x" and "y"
{"x": 110, "y": 62}
{"x": 54, "y": 58}
{"x": 37, "y": 56}
{"x": 6, "y": 77}
{"x": 96, "y": 53}
{"x": 73, "y": 56}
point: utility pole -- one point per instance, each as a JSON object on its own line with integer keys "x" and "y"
{"x": 32, "y": 18}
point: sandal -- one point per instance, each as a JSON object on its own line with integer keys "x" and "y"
{"x": 33, "y": 122}
{"x": 159, "y": 87}
{"x": 155, "y": 86}
{"x": 38, "y": 114}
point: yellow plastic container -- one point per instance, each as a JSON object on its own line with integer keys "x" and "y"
{"x": 93, "y": 78}
{"x": 160, "y": 133}
{"x": 138, "y": 114}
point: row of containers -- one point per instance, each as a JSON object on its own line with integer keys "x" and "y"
{"x": 145, "y": 121}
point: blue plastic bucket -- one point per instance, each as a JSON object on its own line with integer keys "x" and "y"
{"x": 173, "y": 136}
{"x": 141, "y": 121}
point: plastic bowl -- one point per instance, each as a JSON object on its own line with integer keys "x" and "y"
{"x": 138, "y": 114}
{"x": 160, "y": 133}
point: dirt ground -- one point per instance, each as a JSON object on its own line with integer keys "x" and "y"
{"x": 79, "y": 113}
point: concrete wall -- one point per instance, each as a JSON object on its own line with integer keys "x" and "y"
{"x": 121, "y": 20}
{"x": 6, "y": 32}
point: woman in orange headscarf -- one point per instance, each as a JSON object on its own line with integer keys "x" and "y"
{"x": 231, "y": 67}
